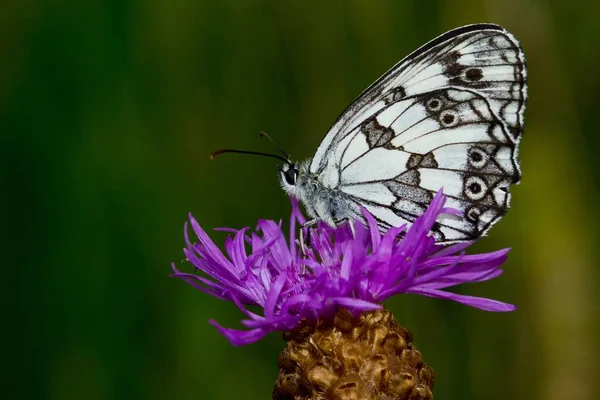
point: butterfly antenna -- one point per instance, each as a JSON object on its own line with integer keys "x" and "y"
{"x": 255, "y": 153}
{"x": 270, "y": 139}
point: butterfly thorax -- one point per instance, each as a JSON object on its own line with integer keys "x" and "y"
{"x": 327, "y": 204}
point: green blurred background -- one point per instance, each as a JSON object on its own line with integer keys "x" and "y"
{"x": 108, "y": 111}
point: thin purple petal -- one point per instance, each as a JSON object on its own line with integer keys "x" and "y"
{"x": 477, "y": 302}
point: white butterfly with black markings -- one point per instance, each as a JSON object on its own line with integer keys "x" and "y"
{"x": 449, "y": 115}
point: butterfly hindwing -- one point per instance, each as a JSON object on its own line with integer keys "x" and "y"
{"x": 397, "y": 159}
{"x": 449, "y": 115}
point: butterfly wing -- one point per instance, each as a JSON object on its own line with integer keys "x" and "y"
{"x": 449, "y": 115}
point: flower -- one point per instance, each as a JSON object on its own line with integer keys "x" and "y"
{"x": 351, "y": 268}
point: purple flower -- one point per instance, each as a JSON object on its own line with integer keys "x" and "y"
{"x": 340, "y": 269}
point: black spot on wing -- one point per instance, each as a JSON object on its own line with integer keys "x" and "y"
{"x": 515, "y": 131}
{"x": 451, "y": 58}
{"x": 412, "y": 193}
{"x": 434, "y": 104}
{"x": 449, "y": 118}
{"x": 475, "y": 187}
{"x": 411, "y": 177}
{"x": 474, "y": 74}
{"x": 394, "y": 95}
{"x": 416, "y": 161}
{"x": 477, "y": 157}
{"x": 472, "y": 215}
{"x": 454, "y": 70}
{"x": 429, "y": 161}
{"x": 376, "y": 134}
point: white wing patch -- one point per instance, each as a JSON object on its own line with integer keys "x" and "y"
{"x": 388, "y": 164}
{"x": 386, "y": 216}
{"x": 398, "y": 110}
{"x": 357, "y": 147}
{"x": 368, "y": 191}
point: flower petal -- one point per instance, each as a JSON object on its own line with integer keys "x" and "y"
{"x": 240, "y": 338}
{"x": 477, "y": 302}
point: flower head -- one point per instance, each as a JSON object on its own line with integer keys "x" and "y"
{"x": 353, "y": 268}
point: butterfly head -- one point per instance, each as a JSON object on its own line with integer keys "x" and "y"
{"x": 296, "y": 179}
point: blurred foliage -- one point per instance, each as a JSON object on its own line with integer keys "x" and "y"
{"x": 108, "y": 111}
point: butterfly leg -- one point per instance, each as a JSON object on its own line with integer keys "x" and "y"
{"x": 302, "y": 242}
{"x": 350, "y": 222}
{"x": 351, "y": 225}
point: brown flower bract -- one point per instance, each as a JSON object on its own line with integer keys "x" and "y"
{"x": 353, "y": 358}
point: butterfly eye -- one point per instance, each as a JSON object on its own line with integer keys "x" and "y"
{"x": 291, "y": 176}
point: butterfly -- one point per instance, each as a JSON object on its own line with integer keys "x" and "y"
{"x": 448, "y": 116}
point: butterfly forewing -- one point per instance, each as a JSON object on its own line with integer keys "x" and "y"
{"x": 448, "y": 116}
